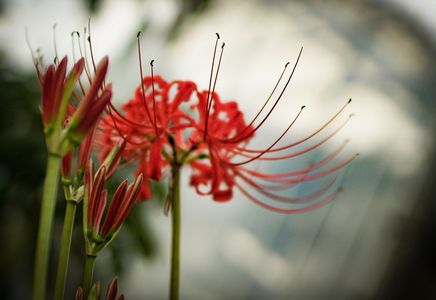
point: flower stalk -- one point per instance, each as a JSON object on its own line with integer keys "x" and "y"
{"x": 175, "y": 241}
{"x": 65, "y": 246}
{"x": 88, "y": 274}
{"x": 45, "y": 226}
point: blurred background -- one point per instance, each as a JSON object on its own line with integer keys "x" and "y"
{"x": 376, "y": 241}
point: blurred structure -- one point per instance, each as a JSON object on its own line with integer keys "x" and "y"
{"x": 375, "y": 242}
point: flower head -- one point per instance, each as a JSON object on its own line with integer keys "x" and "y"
{"x": 213, "y": 137}
{"x": 151, "y": 128}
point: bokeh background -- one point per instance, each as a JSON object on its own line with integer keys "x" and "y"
{"x": 376, "y": 241}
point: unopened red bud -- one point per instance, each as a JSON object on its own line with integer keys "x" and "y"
{"x": 92, "y": 105}
{"x": 85, "y": 149}
{"x": 129, "y": 199}
{"x": 67, "y": 161}
{"x": 79, "y": 294}
{"x": 112, "y": 160}
{"x": 116, "y": 203}
{"x": 94, "y": 196}
{"x": 112, "y": 289}
{"x": 47, "y": 99}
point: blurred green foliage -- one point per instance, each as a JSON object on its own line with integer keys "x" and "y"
{"x": 22, "y": 163}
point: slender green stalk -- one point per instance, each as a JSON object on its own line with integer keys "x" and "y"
{"x": 64, "y": 253}
{"x": 45, "y": 226}
{"x": 175, "y": 243}
{"x": 88, "y": 274}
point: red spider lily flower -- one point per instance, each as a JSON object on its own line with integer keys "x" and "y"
{"x": 225, "y": 139}
{"x": 225, "y": 142}
{"x": 214, "y": 141}
{"x": 95, "y": 294}
{"x": 151, "y": 125}
{"x": 100, "y": 231}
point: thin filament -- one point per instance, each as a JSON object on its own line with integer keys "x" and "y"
{"x": 140, "y": 72}
{"x": 154, "y": 99}
{"x": 210, "y": 84}
{"x": 239, "y": 139}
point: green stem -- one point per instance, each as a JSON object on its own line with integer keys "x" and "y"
{"x": 89, "y": 273}
{"x": 64, "y": 253}
{"x": 45, "y": 226}
{"x": 175, "y": 244}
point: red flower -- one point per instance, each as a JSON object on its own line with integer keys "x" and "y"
{"x": 152, "y": 119}
{"x": 214, "y": 141}
{"x": 226, "y": 141}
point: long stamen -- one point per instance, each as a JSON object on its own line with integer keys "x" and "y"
{"x": 304, "y": 209}
{"x": 154, "y": 99}
{"x": 298, "y": 153}
{"x": 56, "y": 59}
{"x": 140, "y": 72}
{"x": 310, "y": 168}
{"x": 210, "y": 83}
{"x": 87, "y": 68}
{"x": 277, "y": 197}
{"x": 88, "y": 74}
{"x": 215, "y": 80}
{"x": 123, "y": 118}
{"x": 239, "y": 139}
{"x": 214, "y": 84}
{"x": 90, "y": 45}
{"x": 124, "y": 137}
{"x": 306, "y": 138}
{"x": 318, "y": 130}
{"x": 265, "y": 103}
{"x": 74, "y": 56}
{"x": 73, "y": 47}
{"x": 320, "y": 174}
{"x": 273, "y": 144}
{"x": 35, "y": 59}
